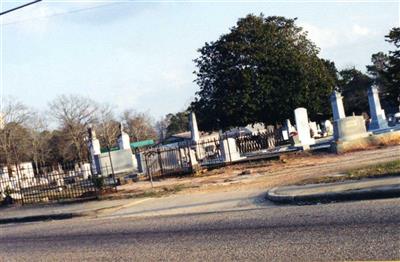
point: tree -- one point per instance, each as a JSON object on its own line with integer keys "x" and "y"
{"x": 40, "y": 138}
{"x": 393, "y": 68}
{"x": 139, "y": 125}
{"x": 74, "y": 114}
{"x": 178, "y": 123}
{"x": 161, "y": 127}
{"x": 260, "y": 71}
{"x": 354, "y": 87}
{"x": 107, "y": 127}
{"x": 14, "y": 136}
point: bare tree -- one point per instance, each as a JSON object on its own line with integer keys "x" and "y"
{"x": 14, "y": 136}
{"x": 139, "y": 125}
{"x": 40, "y": 140}
{"x": 74, "y": 114}
{"x": 162, "y": 127}
{"x": 107, "y": 127}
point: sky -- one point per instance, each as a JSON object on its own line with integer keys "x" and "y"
{"x": 139, "y": 54}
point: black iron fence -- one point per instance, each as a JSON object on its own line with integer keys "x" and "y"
{"x": 259, "y": 141}
{"x": 209, "y": 152}
{"x": 181, "y": 157}
{"x": 26, "y": 184}
{"x": 167, "y": 160}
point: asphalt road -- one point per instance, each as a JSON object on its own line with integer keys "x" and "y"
{"x": 362, "y": 230}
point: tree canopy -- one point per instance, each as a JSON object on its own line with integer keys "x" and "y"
{"x": 392, "y": 73}
{"x": 260, "y": 71}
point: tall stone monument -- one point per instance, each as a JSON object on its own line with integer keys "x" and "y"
{"x": 378, "y": 118}
{"x": 123, "y": 139}
{"x": 303, "y": 128}
{"x": 94, "y": 149}
{"x": 194, "y": 130}
{"x": 337, "y": 106}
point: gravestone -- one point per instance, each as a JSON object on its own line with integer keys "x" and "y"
{"x": 303, "y": 128}
{"x": 328, "y": 127}
{"x": 337, "y": 105}
{"x": 350, "y": 128}
{"x": 314, "y": 129}
{"x": 378, "y": 118}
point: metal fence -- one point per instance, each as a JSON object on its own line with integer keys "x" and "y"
{"x": 167, "y": 160}
{"x": 56, "y": 183}
{"x": 215, "y": 151}
{"x": 262, "y": 140}
{"x": 209, "y": 152}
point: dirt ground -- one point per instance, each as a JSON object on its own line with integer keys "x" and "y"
{"x": 289, "y": 169}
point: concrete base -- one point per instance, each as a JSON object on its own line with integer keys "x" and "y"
{"x": 383, "y": 139}
{"x": 379, "y": 123}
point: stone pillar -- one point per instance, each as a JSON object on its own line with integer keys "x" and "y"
{"x": 378, "y": 118}
{"x": 194, "y": 130}
{"x": 94, "y": 149}
{"x": 123, "y": 139}
{"x": 337, "y": 106}
{"x": 303, "y": 128}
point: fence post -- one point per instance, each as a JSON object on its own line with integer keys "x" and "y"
{"x": 148, "y": 171}
{"x": 19, "y": 184}
{"x": 180, "y": 156}
{"x": 160, "y": 161}
{"x": 111, "y": 163}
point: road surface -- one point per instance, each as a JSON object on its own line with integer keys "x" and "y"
{"x": 362, "y": 230}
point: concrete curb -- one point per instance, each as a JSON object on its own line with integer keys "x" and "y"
{"x": 38, "y": 218}
{"x": 363, "y": 194}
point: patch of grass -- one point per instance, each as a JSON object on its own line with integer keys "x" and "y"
{"x": 391, "y": 168}
{"x": 385, "y": 169}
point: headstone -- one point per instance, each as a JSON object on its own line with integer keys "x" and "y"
{"x": 123, "y": 139}
{"x": 303, "y": 128}
{"x": 328, "y": 127}
{"x": 314, "y": 129}
{"x": 350, "y": 128}
{"x": 378, "y": 118}
{"x": 195, "y": 135}
{"x": 337, "y": 105}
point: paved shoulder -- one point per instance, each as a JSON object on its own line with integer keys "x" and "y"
{"x": 349, "y": 190}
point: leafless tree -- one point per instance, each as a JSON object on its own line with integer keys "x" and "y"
{"x": 14, "y": 136}
{"x": 162, "y": 128}
{"x": 107, "y": 127}
{"x": 40, "y": 139}
{"x": 74, "y": 114}
{"x": 139, "y": 125}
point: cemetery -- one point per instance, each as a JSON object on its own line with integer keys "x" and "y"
{"x": 196, "y": 150}
{"x": 203, "y": 150}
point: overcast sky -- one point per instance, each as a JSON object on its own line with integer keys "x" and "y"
{"x": 140, "y": 55}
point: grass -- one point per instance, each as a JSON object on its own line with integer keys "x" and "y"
{"x": 391, "y": 168}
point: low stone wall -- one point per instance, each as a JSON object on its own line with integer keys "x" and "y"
{"x": 384, "y": 139}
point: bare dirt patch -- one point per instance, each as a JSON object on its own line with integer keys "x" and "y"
{"x": 289, "y": 169}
